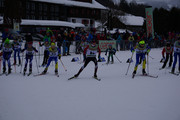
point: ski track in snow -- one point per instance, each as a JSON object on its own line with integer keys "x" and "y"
{"x": 116, "y": 97}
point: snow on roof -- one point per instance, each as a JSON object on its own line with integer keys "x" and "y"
{"x": 132, "y": 20}
{"x": 119, "y": 30}
{"x": 94, "y": 3}
{"x": 51, "y": 23}
{"x": 1, "y": 20}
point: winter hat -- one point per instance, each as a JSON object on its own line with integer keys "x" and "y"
{"x": 7, "y": 41}
{"x": 142, "y": 42}
{"x": 30, "y": 43}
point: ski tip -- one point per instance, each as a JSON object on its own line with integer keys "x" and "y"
{"x": 177, "y": 74}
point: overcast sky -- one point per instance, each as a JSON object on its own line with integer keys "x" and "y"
{"x": 152, "y": 0}
{"x": 169, "y": 2}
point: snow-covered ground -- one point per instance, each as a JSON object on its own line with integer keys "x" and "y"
{"x": 116, "y": 97}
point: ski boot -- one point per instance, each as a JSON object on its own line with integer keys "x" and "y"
{"x": 95, "y": 75}
{"x": 173, "y": 69}
{"x": 134, "y": 72}
{"x": 14, "y": 62}
{"x": 30, "y": 70}
{"x": 144, "y": 72}
{"x": 9, "y": 70}
{"x": 19, "y": 62}
{"x": 56, "y": 72}
{"x": 24, "y": 73}
{"x": 76, "y": 75}
{"x": 45, "y": 71}
{"x": 4, "y": 70}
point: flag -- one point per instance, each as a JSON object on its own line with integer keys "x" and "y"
{"x": 149, "y": 22}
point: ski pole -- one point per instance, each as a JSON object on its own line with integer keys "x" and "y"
{"x": 151, "y": 57}
{"x": 80, "y": 56}
{"x": 39, "y": 56}
{"x": 147, "y": 63}
{"x": 36, "y": 63}
{"x": 22, "y": 62}
{"x": 15, "y": 68}
{"x": 129, "y": 63}
{"x": 118, "y": 59}
{"x": 0, "y": 64}
{"x": 63, "y": 65}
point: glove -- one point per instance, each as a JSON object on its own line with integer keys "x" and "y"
{"x": 99, "y": 58}
{"x": 84, "y": 56}
{"x": 59, "y": 56}
{"x": 148, "y": 51}
{"x": 105, "y": 54}
{"x": 114, "y": 52}
{"x": 132, "y": 50}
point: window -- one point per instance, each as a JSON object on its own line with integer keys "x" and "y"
{"x": 27, "y": 17}
{"x": 40, "y": 7}
{"x": 45, "y": 17}
{"x": 52, "y": 8}
{"x": 45, "y": 7}
{"x": 74, "y": 20}
{"x": 91, "y": 22}
{"x": 33, "y": 17}
{"x": 56, "y": 8}
{"x": 1, "y": 3}
{"x": 33, "y": 6}
{"x": 56, "y": 18}
{"x": 40, "y": 17}
{"x": 85, "y": 22}
{"x": 27, "y": 5}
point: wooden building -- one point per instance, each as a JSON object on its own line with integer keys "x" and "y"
{"x": 75, "y": 11}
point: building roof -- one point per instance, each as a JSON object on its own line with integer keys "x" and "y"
{"x": 49, "y": 23}
{"x": 94, "y": 3}
{"x": 119, "y": 31}
{"x": 132, "y": 20}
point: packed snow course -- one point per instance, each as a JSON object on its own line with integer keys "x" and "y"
{"x": 116, "y": 97}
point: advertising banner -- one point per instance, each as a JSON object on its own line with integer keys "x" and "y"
{"x": 103, "y": 44}
{"x": 149, "y": 22}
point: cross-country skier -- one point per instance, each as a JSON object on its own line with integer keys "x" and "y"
{"x": 169, "y": 54}
{"x": 47, "y": 43}
{"x": 90, "y": 55}
{"x": 17, "y": 49}
{"x": 141, "y": 50}
{"x": 7, "y": 51}
{"x": 54, "y": 54}
{"x": 176, "y": 54}
{"x": 82, "y": 46}
{"x": 110, "y": 51}
{"x": 29, "y": 56}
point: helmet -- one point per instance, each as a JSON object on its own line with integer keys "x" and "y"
{"x": 142, "y": 42}
{"x": 7, "y": 41}
{"x": 52, "y": 44}
{"x": 168, "y": 44}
